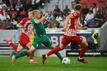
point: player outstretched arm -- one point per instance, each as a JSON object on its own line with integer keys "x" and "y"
{"x": 40, "y": 20}
{"x": 19, "y": 25}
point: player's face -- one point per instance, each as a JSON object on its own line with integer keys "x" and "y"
{"x": 30, "y": 14}
{"x": 30, "y": 28}
{"x": 38, "y": 14}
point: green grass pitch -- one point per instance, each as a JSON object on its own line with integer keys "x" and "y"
{"x": 53, "y": 64}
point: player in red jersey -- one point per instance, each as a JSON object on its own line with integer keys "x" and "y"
{"x": 24, "y": 40}
{"x": 70, "y": 36}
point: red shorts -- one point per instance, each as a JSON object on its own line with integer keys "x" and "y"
{"x": 74, "y": 39}
{"x": 24, "y": 39}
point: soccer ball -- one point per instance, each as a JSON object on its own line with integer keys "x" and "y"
{"x": 66, "y": 60}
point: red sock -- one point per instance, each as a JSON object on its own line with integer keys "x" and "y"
{"x": 82, "y": 51}
{"x": 54, "y": 50}
{"x": 14, "y": 46}
{"x": 31, "y": 55}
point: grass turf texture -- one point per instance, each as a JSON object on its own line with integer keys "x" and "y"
{"x": 22, "y": 64}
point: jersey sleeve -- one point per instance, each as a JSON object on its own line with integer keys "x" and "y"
{"x": 22, "y": 21}
{"x": 33, "y": 20}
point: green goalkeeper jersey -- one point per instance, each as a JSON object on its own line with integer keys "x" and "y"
{"x": 39, "y": 28}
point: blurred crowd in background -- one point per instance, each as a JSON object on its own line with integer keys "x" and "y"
{"x": 12, "y": 12}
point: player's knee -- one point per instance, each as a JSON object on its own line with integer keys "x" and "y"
{"x": 31, "y": 49}
{"x": 62, "y": 46}
{"x": 29, "y": 45}
{"x": 84, "y": 42}
{"x": 51, "y": 47}
{"x": 20, "y": 48}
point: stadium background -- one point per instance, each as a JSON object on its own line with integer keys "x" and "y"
{"x": 9, "y": 29}
{"x": 12, "y": 11}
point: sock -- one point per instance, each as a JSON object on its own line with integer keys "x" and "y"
{"x": 31, "y": 56}
{"x": 14, "y": 46}
{"x": 22, "y": 53}
{"x": 59, "y": 55}
{"x": 82, "y": 51}
{"x": 54, "y": 50}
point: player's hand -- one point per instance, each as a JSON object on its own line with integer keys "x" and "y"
{"x": 63, "y": 29}
{"x": 19, "y": 26}
{"x": 46, "y": 14}
{"x": 84, "y": 28}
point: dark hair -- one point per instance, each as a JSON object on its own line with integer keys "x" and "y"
{"x": 27, "y": 26}
{"x": 77, "y": 7}
{"x": 30, "y": 10}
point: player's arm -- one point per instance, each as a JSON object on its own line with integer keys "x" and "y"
{"x": 28, "y": 22}
{"x": 80, "y": 26}
{"x": 65, "y": 26}
{"x": 68, "y": 18}
{"x": 19, "y": 24}
{"x": 41, "y": 19}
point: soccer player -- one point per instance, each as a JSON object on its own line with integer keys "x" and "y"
{"x": 41, "y": 36}
{"x": 24, "y": 40}
{"x": 70, "y": 36}
{"x": 14, "y": 46}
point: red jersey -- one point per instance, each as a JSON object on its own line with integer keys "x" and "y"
{"x": 24, "y": 20}
{"x": 23, "y": 23}
{"x": 73, "y": 24}
{"x": 24, "y": 37}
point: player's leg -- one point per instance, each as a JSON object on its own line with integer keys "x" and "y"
{"x": 18, "y": 54}
{"x": 21, "y": 54}
{"x": 19, "y": 48}
{"x": 31, "y": 47}
{"x": 63, "y": 44}
{"x": 24, "y": 40}
{"x": 84, "y": 45}
{"x": 32, "y": 61}
{"x": 31, "y": 53}
{"x": 80, "y": 40}
{"x": 10, "y": 43}
{"x": 55, "y": 50}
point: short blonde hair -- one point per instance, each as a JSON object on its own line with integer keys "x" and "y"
{"x": 35, "y": 11}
